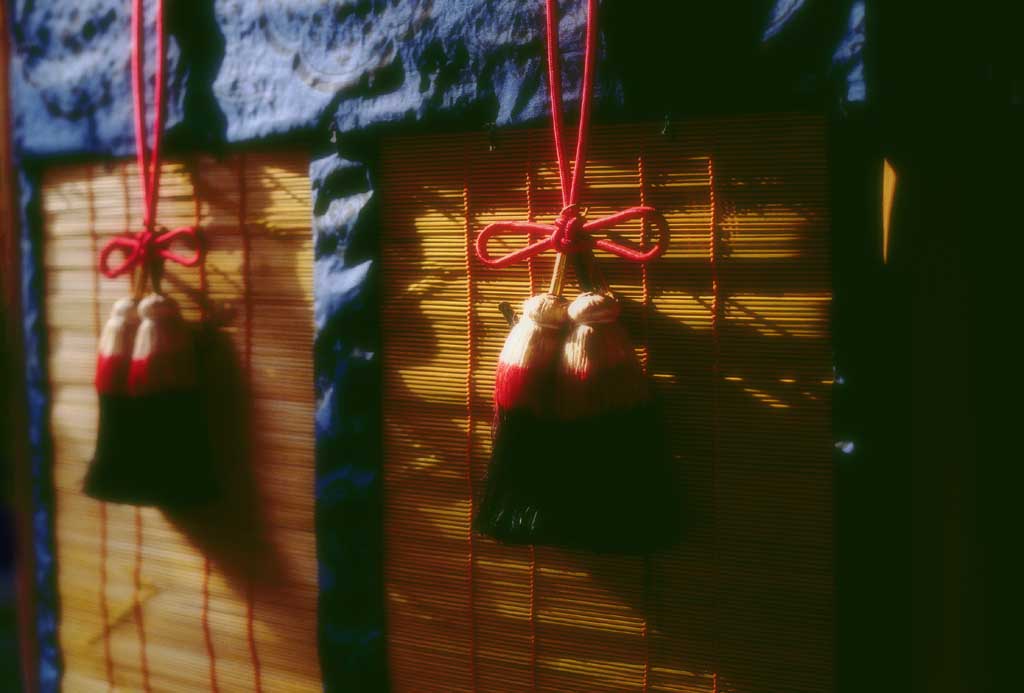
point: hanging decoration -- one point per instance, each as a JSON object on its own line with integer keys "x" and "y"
{"x": 576, "y": 458}
{"x": 151, "y": 441}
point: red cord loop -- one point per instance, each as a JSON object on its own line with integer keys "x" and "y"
{"x": 146, "y": 247}
{"x": 570, "y": 233}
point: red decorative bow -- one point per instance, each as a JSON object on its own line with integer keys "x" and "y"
{"x": 146, "y": 247}
{"x": 570, "y": 233}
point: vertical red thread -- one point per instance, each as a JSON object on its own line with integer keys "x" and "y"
{"x": 644, "y": 360}
{"x": 108, "y": 659}
{"x": 471, "y": 347}
{"x": 715, "y": 373}
{"x": 205, "y": 612}
{"x": 104, "y": 610}
{"x": 205, "y": 618}
{"x": 137, "y": 569}
{"x": 137, "y": 601}
{"x": 257, "y": 674}
{"x": 530, "y": 216}
{"x": 645, "y": 286}
{"x": 250, "y": 596}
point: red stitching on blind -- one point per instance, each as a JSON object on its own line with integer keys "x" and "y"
{"x": 137, "y": 579}
{"x": 715, "y": 373}
{"x": 108, "y": 659}
{"x": 471, "y": 347}
{"x": 644, "y": 360}
{"x": 137, "y": 584}
{"x": 205, "y": 619}
{"x": 196, "y": 218}
{"x": 205, "y": 612}
{"x": 530, "y": 216}
{"x": 646, "y": 295}
{"x": 250, "y": 597}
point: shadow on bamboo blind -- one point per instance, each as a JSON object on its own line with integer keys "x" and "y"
{"x": 226, "y": 600}
{"x": 745, "y": 602}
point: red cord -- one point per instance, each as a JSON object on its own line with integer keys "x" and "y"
{"x": 470, "y": 349}
{"x": 569, "y": 233}
{"x": 149, "y": 245}
{"x": 148, "y": 159}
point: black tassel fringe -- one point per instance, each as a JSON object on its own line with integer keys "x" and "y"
{"x": 602, "y": 484}
{"x": 152, "y": 450}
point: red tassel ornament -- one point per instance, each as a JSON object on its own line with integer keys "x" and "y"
{"x": 516, "y": 502}
{"x": 577, "y": 457}
{"x": 153, "y": 443}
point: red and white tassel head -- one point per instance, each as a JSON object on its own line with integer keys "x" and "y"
{"x": 163, "y": 359}
{"x": 526, "y": 365}
{"x": 114, "y": 354}
{"x": 599, "y": 371}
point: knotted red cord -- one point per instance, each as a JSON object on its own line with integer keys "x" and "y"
{"x": 570, "y": 233}
{"x": 146, "y": 247}
{"x": 149, "y": 245}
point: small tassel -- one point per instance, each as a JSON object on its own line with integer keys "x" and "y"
{"x": 110, "y": 472}
{"x": 599, "y": 371}
{"x": 618, "y": 493}
{"x": 517, "y": 500}
{"x": 164, "y": 358}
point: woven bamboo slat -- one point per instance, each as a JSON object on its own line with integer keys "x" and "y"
{"x": 204, "y": 583}
{"x": 745, "y": 602}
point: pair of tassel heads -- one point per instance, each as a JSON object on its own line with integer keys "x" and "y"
{"x": 578, "y": 456}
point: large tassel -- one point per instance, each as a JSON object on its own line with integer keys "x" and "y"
{"x": 622, "y": 496}
{"x": 163, "y": 457}
{"x": 518, "y": 501}
{"x": 110, "y": 474}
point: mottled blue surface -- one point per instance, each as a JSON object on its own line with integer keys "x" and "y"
{"x": 37, "y": 387}
{"x": 272, "y": 68}
{"x": 246, "y": 70}
{"x": 348, "y": 488}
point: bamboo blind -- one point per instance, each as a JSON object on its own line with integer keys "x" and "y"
{"x": 225, "y": 601}
{"x": 737, "y": 343}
